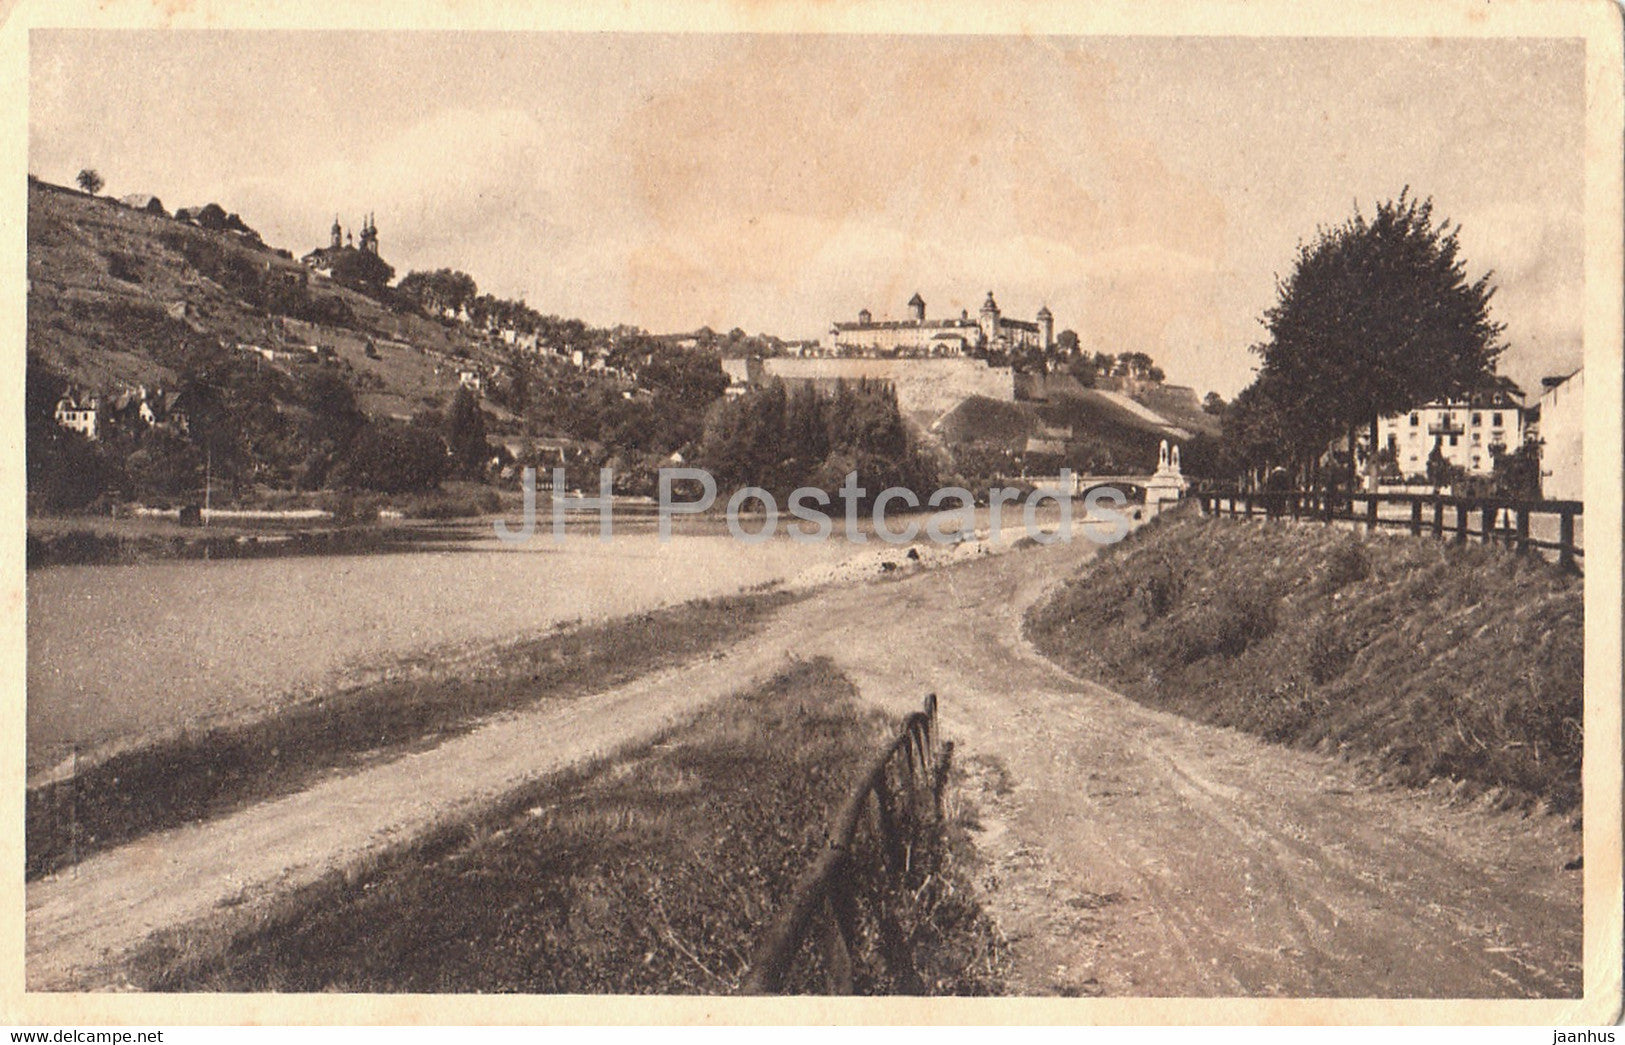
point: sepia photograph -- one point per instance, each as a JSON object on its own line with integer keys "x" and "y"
{"x": 786, "y": 507}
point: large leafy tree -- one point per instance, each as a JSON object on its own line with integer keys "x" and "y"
{"x": 440, "y": 289}
{"x": 1378, "y": 316}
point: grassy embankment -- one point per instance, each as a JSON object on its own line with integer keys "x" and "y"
{"x": 204, "y": 774}
{"x": 1429, "y": 661}
{"x": 655, "y": 870}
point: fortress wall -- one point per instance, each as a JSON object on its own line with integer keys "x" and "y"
{"x": 923, "y": 385}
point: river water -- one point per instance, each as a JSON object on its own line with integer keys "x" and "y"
{"x": 117, "y": 653}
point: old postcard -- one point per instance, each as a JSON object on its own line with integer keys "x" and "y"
{"x": 1044, "y": 513}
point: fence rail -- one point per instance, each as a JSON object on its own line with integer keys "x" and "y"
{"x": 1500, "y": 520}
{"x": 826, "y": 893}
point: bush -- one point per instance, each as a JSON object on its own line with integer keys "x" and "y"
{"x": 449, "y": 505}
{"x": 122, "y": 266}
{"x": 1347, "y": 564}
{"x": 1246, "y": 617}
{"x": 1329, "y": 653}
{"x": 1161, "y": 590}
{"x": 1225, "y": 627}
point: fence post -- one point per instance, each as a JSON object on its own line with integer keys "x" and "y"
{"x": 1416, "y": 518}
{"x": 1438, "y": 516}
{"x": 891, "y": 846}
{"x": 1565, "y": 537}
{"x": 1523, "y": 530}
{"x": 1370, "y": 512}
{"x": 1461, "y": 522}
{"x": 838, "y": 933}
{"x": 1486, "y": 517}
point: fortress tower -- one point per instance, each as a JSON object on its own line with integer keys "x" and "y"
{"x": 989, "y": 316}
{"x": 1046, "y": 328}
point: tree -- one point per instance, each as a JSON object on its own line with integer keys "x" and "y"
{"x": 1517, "y": 474}
{"x": 90, "y": 180}
{"x": 1066, "y": 342}
{"x": 1213, "y": 403}
{"x": 1378, "y": 316}
{"x": 1441, "y": 472}
{"x": 439, "y": 290}
{"x": 362, "y": 270}
{"x": 393, "y": 458}
{"x": 1083, "y": 370}
{"x": 465, "y": 434}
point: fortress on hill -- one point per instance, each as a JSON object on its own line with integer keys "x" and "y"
{"x": 932, "y": 364}
{"x": 990, "y": 333}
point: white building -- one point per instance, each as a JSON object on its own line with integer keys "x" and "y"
{"x": 1562, "y": 435}
{"x": 1469, "y": 433}
{"x": 82, "y": 414}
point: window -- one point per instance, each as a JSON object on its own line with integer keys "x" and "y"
{"x": 1477, "y": 461}
{"x": 1416, "y": 419}
{"x": 1497, "y": 420}
{"x": 1478, "y": 419}
{"x": 1455, "y": 439}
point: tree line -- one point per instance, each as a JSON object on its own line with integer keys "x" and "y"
{"x": 782, "y": 439}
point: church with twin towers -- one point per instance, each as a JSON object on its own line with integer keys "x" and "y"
{"x": 988, "y": 332}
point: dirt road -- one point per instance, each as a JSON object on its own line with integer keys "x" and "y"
{"x": 1129, "y": 852}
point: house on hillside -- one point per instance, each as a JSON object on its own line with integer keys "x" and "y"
{"x": 80, "y": 413}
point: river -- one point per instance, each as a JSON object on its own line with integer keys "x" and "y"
{"x": 121, "y": 653}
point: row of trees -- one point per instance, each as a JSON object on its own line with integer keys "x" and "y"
{"x": 449, "y": 291}
{"x": 781, "y": 439}
{"x": 1088, "y": 369}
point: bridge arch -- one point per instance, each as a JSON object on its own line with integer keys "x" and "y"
{"x": 1133, "y": 489}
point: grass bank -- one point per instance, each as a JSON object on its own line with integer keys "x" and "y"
{"x": 652, "y": 871}
{"x": 207, "y": 773}
{"x": 1430, "y": 661}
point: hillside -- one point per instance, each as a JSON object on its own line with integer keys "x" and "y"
{"x": 1101, "y": 431}
{"x": 175, "y": 359}
{"x": 122, "y": 297}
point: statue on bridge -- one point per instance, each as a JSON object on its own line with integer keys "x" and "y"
{"x": 1167, "y": 484}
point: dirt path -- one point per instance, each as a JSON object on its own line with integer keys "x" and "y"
{"x": 1143, "y": 854}
{"x": 1135, "y": 853}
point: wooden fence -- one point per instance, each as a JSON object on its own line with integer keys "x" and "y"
{"x": 903, "y": 788}
{"x": 1499, "y": 520}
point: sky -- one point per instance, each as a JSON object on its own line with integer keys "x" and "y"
{"x": 1149, "y": 191}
